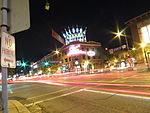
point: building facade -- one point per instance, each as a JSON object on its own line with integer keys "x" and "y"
{"x": 140, "y": 29}
{"x": 82, "y": 55}
{"x": 121, "y": 57}
{"x": 76, "y": 56}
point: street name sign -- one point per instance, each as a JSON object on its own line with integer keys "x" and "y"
{"x": 8, "y": 56}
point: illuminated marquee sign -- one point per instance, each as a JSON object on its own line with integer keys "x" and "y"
{"x": 75, "y": 34}
{"x": 75, "y": 49}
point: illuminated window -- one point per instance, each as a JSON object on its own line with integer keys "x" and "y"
{"x": 146, "y": 34}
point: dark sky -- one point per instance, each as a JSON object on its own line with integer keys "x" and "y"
{"x": 99, "y": 16}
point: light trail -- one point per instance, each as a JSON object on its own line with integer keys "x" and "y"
{"x": 44, "y": 82}
{"x": 20, "y": 87}
{"x": 104, "y": 76}
{"x": 107, "y": 84}
{"x": 117, "y": 90}
{"x": 81, "y": 85}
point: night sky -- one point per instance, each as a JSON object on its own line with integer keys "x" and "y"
{"x": 99, "y": 16}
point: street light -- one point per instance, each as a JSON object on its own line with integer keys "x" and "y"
{"x": 121, "y": 33}
{"x": 57, "y": 52}
{"x": 133, "y": 49}
{"x": 143, "y": 45}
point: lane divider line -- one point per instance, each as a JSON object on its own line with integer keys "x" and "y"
{"x": 66, "y": 94}
{"x": 50, "y": 93}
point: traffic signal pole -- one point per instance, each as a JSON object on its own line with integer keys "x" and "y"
{"x": 4, "y": 69}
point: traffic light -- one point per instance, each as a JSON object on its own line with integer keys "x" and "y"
{"x": 23, "y": 64}
{"x": 46, "y": 63}
{"x": 47, "y": 6}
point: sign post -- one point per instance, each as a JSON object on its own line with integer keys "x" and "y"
{"x": 4, "y": 69}
{"x": 8, "y": 60}
{"x": 18, "y": 20}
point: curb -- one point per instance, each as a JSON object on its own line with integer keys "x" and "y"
{"x": 15, "y": 106}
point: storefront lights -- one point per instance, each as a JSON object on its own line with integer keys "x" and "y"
{"x": 91, "y": 53}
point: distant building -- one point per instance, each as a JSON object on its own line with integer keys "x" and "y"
{"x": 140, "y": 29}
{"x": 81, "y": 54}
{"x": 77, "y": 54}
{"x": 120, "y": 57}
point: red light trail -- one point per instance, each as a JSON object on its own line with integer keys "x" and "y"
{"x": 78, "y": 84}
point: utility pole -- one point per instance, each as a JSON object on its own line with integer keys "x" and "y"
{"x": 4, "y": 27}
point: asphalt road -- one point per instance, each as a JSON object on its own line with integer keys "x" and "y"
{"x": 84, "y": 95}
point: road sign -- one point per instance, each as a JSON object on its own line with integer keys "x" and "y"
{"x": 8, "y": 56}
{"x": 18, "y": 16}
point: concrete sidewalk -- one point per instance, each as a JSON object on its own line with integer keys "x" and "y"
{"x": 15, "y": 106}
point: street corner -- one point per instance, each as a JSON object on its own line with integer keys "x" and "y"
{"x": 15, "y": 106}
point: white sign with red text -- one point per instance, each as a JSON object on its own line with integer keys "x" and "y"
{"x": 8, "y": 56}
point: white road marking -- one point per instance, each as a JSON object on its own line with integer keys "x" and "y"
{"x": 50, "y": 93}
{"x": 118, "y": 94}
{"x": 66, "y": 94}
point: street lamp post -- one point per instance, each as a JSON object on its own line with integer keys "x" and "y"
{"x": 145, "y": 56}
{"x": 147, "y": 63}
{"x": 119, "y": 34}
{"x": 127, "y": 42}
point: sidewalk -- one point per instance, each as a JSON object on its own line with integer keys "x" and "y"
{"x": 15, "y": 106}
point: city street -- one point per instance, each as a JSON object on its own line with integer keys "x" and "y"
{"x": 74, "y": 56}
{"x": 116, "y": 92}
